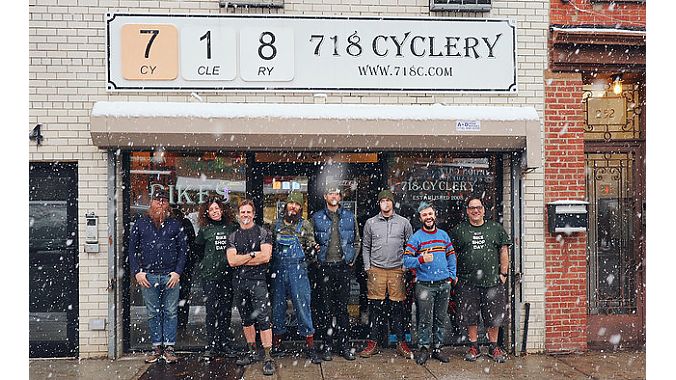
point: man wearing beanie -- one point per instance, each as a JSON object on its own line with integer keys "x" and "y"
{"x": 430, "y": 252}
{"x": 385, "y": 236}
{"x": 294, "y": 244}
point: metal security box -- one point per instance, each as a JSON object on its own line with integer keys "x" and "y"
{"x": 567, "y": 216}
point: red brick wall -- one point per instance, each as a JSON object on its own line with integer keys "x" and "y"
{"x": 583, "y": 12}
{"x": 565, "y": 256}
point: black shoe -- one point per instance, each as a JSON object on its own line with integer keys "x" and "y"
{"x": 440, "y": 356}
{"x": 208, "y": 354}
{"x": 326, "y": 354}
{"x": 268, "y": 367}
{"x": 348, "y": 354}
{"x": 277, "y": 352}
{"x": 423, "y": 356}
{"x": 312, "y": 354}
{"x": 247, "y": 358}
{"x": 228, "y": 352}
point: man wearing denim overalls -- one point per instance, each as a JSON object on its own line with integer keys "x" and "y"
{"x": 294, "y": 240}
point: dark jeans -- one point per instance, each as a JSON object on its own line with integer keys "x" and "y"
{"x": 184, "y": 298}
{"x": 378, "y": 319}
{"x": 218, "y": 303}
{"x": 432, "y": 304}
{"x": 334, "y": 286}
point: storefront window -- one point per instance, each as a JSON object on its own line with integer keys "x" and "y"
{"x": 443, "y": 180}
{"x": 189, "y": 179}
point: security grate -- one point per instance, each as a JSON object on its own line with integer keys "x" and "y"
{"x": 460, "y": 5}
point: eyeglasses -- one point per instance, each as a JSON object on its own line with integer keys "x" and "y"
{"x": 475, "y": 208}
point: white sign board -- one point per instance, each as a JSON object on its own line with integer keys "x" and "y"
{"x": 309, "y": 53}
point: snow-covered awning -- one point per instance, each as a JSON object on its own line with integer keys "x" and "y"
{"x": 316, "y": 127}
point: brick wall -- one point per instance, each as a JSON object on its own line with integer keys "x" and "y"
{"x": 566, "y": 264}
{"x": 67, "y": 75}
{"x": 583, "y": 12}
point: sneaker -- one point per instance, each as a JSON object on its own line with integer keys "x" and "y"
{"x": 423, "y": 356}
{"x": 497, "y": 354}
{"x": 472, "y": 354}
{"x": 326, "y": 354}
{"x": 312, "y": 354}
{"x": 440, "y": 356}
{"x": 403, "y": 350}
{"x": 348, "y": 354}
{"x": 246, "y": 359}
{"x": 169, "y": 355}
{"x": 154, "y": 355}
{"x": 268, "y": 367}
{"x": 370, "y": 350}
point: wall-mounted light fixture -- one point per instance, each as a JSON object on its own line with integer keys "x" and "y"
{"x": 617, "y": 84}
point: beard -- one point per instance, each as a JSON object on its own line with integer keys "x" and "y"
{"x": 158, "y": 214}
{"x": 430, "y": 228}
{"x": 291, "y": 218}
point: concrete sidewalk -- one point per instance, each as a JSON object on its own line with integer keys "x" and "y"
{"x": 386, "y": 365}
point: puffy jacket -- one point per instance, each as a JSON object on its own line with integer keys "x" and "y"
{"x": 347, "y": 229}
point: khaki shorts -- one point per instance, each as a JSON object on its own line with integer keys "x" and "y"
{"x": 381, "y": 282}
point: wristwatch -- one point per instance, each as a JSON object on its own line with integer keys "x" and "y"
{"x": 252, "y": 253}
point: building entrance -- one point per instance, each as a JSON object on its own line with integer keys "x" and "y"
{"x": 190, "y": 178}
{"x": 53, "y": 257}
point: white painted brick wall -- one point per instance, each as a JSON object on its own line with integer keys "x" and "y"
{"x": 67, "y": 75}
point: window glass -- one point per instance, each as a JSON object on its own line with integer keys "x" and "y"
{"x": 444, "y": 180}
{"x": 190, "y": 179}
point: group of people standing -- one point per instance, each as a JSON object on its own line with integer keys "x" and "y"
{"x": 258, "y": 269}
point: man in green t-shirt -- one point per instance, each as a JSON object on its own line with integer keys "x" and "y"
{"x": 482, "y": 251}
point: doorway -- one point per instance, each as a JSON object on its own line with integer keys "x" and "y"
{"x": 53, "y": 260}
{"x": 616, "y": 248}
{"x": 272, "y": 176}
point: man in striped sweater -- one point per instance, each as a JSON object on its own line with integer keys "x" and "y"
{"x": 430, "y": 253}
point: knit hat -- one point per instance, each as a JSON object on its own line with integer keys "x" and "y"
{"x": 295, "y": 197}
{"x": 386, "y": 194}
{"x": 423, "y": 205}
{"x": 159, "y": 194}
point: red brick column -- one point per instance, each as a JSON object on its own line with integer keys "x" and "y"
{"x": 565, "y": 255}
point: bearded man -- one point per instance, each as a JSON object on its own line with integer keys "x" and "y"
{"x": 294, "y": 246}
{"x": 158, "y": 249}
{"x": 430, "y": 252}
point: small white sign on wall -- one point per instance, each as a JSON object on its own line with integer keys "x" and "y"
{"x": 468, "y": 126}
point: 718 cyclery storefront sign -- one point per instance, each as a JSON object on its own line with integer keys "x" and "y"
{"x": 309, "y": 53}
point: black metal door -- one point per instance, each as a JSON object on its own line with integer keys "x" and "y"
{"x": 53, "y": 248}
